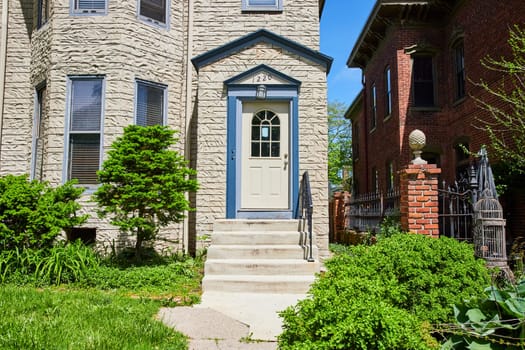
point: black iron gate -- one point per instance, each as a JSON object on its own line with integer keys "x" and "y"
{"x": 456, "y": 207}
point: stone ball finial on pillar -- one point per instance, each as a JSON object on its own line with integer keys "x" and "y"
{"x": 417, "y": 140}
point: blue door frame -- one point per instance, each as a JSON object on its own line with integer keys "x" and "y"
{"x": 237, "y": 95}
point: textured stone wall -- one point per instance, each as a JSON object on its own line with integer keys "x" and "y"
{"x": 18, "y": 97}
{"x": 313, "y": 139}
{"x": 122, "y": 48}
{"x": 218, "y": 25}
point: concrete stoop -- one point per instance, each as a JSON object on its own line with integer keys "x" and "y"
{"x": 258, "y": 256}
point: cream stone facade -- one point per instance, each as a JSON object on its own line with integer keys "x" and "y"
{"x": 190, "y": 55}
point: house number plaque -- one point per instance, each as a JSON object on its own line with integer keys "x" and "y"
{"x": 262, "y": 77}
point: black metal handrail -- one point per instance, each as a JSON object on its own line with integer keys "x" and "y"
{"x": 307, "y": 208}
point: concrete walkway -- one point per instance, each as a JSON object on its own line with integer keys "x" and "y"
{"x": 233, "y": 321}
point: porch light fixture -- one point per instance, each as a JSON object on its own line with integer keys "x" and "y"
{"x": 260, "y": 92}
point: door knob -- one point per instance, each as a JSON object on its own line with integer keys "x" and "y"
{"x": 285, "y": 160}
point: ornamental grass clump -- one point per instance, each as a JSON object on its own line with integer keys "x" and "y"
{"x": 385, "y": 296}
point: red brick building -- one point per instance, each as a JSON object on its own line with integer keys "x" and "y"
{"x": 421, "y": 62}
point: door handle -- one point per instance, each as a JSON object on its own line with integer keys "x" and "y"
{"x": 285, "y": 161}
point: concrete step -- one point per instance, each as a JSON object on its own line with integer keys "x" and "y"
{"x": 226, "y": 225}
{"x": 257, "y": 252}
{"x": 257, "y": 283}
{"x": 258, "y": 237}
{"x": 260, "y": 267}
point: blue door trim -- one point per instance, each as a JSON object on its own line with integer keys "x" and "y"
{"x": 237, "y": 95}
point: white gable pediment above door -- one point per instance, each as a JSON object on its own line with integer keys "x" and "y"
{"x": 262, "y": 74}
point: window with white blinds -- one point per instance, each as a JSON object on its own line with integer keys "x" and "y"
{"x": 153, "y": 11}
{"x": 150, "y": 104}
{"x": 262, "y": 5}
{"x": 90, "y": 6}
{"x": 85, "y": 116}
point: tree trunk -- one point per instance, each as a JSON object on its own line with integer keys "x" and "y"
{"x": 138, "y": 245}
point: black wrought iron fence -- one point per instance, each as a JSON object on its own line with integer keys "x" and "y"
{"x": 456, "y": 211}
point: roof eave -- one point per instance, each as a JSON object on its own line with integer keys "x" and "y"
{"x": 262, "y": 35}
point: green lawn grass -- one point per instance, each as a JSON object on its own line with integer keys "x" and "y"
{"x": 108, "y": 303}
{"x": 81, "y": 319}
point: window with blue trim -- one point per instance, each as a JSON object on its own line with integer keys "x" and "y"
{"x": 262, "y": 5}
{"x": 153, "y": 11}
{"x": 150, "y": 105}
{"x": 89, "y": 7}
{"x": 85, "y": 129}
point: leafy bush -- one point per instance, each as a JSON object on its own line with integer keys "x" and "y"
{"x": 143, "y": 183}
{"x": 384, "y": 296}
{"x": 390, "y": 225}
{"x": 32, "y": 213}
{"x": 494, "y": 321}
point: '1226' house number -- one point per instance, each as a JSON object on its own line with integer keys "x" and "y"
{"x": 262, "y": 77}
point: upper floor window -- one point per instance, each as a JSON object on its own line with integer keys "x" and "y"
{"x": 423, "y": 81}
{"x": 89, "y": 6}
{"x": 459, "y": 69}
{"x": 150, "y": 106}
{"x": 388, "y": 92}
{"x": 42, "y": 13}
{"x": 373, "y": 107}
{"x": 84, "y": 135}
{"x": 154, "y": 11}
{"x": 262, "y": 5}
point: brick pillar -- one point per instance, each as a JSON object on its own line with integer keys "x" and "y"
{"x": 419, "y": 199}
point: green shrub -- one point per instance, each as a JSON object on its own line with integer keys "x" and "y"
{"x": 32, "y": 213}
{"x": 381, "y": 296}
{"x": 143, "y": 183}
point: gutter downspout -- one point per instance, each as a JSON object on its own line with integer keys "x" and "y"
{"x": 3, "y": 60}
{"x": 188, "y": 114}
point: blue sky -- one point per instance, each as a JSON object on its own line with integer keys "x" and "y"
{"x": 341, "y": 24}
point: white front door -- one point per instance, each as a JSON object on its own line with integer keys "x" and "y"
{"x": 265, "y": 156}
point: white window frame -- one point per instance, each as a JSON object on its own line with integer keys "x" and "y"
{"x": 74, "y": 11}
{"x": 67, "y": 131}
{"x": 248, "y": 5}
{"x": 152, "y": 21}
{"x": 162, "y": 87}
